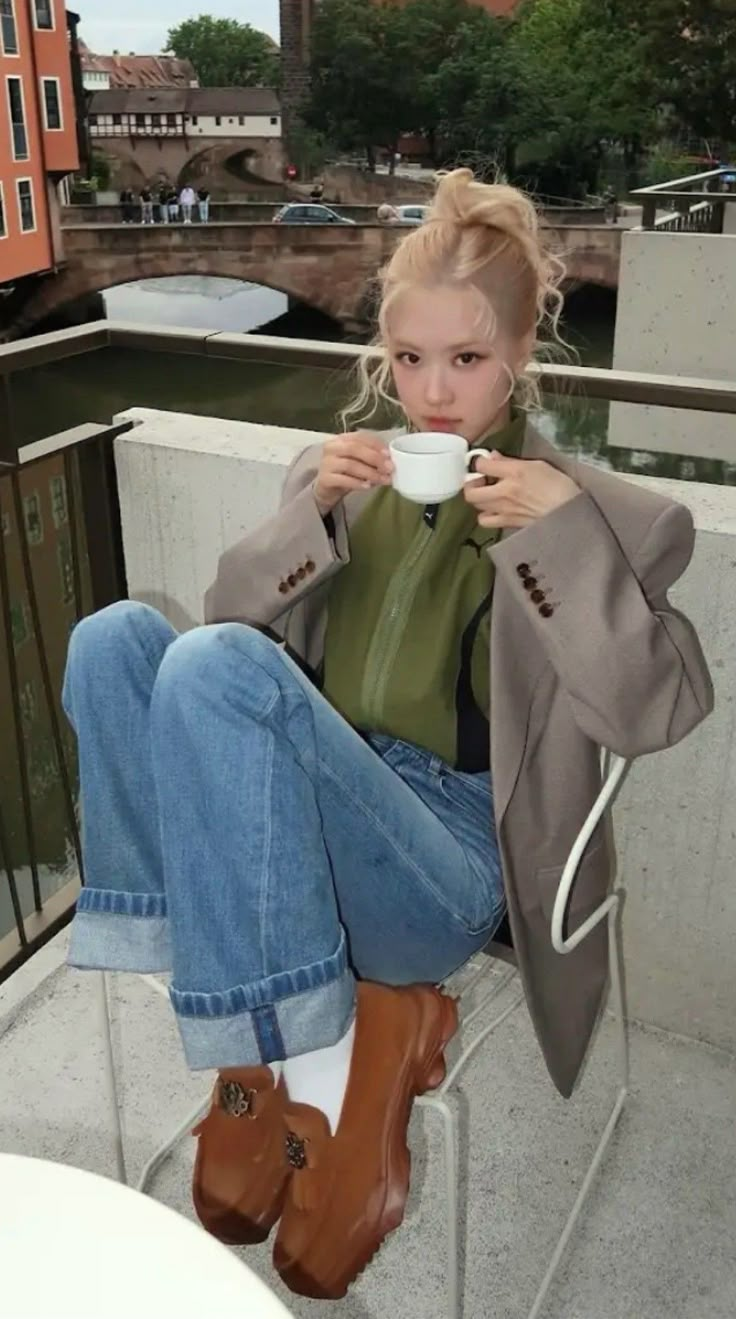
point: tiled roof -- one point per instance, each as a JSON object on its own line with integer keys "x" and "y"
{"x": 181, "y": 100}
{"x": 140, "y": 70}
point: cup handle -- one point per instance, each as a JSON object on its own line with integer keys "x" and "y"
{"x": 475, "y": 453}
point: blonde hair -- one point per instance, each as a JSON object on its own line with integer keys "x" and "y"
{"x": 478, "y": 235}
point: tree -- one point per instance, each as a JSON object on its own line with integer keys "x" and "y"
{"x": 226, "y": 53}
{"x": 363, "y": 87}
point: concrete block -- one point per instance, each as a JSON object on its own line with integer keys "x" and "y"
{"x": 676, "y": 317}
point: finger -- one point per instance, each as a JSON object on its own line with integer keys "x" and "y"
{"x": 374, "y": 455}
{"x": 361, "y": 471}
{"x": 504, "y": 520}
{"x": 482, "y": 494}
{"x": 499, "y": 464}
{"x": 344, "y": 484}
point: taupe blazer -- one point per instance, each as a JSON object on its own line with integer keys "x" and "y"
{"x": 604, "y": 661}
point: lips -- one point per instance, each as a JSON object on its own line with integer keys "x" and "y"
{"x": 443, "y": 423}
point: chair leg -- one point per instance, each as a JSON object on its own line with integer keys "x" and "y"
{"x": 617, "y": 994}
{"x": 449, "y": 1129}
{"x": 170, "y": 1144}
{"x": 110, "y": 1081}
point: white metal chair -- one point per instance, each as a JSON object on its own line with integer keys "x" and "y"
{"x": 613, "y": 771}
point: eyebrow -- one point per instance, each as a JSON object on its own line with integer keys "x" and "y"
{"x": 451, "y": 348}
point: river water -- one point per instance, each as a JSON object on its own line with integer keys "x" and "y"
{"x": 95, "y": 386}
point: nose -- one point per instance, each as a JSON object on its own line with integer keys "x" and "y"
{"x": 437, "y": 389}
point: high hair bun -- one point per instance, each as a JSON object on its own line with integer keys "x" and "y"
{"x": 464, "y": 201}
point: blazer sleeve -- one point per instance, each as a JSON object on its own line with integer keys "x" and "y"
{"x": 630, "y": 662}
{"x": 272, "y": 568}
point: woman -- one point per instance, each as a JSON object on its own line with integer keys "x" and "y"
{"x": 310, "y": 834}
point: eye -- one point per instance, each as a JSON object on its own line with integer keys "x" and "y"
{"x": 407, "y": 359}
{"x": 467, "y": 359}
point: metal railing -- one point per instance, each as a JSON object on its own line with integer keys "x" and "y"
{"x": 696, "y": 204}
{"x": 87, "y": 499}
{"x": 95, "y": 542}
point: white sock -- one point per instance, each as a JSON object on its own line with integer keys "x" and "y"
{"x": 320, "y": 1078}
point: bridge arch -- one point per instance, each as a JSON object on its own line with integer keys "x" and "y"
{"x": 329, "y": 267}
{"x": 81, "y": 280}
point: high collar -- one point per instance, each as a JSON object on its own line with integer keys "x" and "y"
{"x": 508, "y": 440}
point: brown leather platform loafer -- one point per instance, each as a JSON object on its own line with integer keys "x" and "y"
{"x": 241, "y": 1169}
{"x": 348, "y": 1191}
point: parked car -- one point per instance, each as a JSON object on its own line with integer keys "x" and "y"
{"x": 308, "y": 213}
{"x": 411, "y": 214}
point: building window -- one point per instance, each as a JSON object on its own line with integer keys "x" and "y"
{"x": 59, "y": 510}
{"x": 195, "y": 119}
{"x": 17, "y": 119}
{"x": 218, "y": 120}
{"x": 51, "y": 103}
{"x": 93, "y": 121}
{"x": 241, "y": 120}
{"x": 66, "y": 570}
{"x": 32, "y": 519}
{"x": 117, "y": 119}
{"x": 25, "y": 206}
{"x": 8, "y": 31}
{"x": 274, "y": 119}
{"x": 140, "y": 121}
{"x": 156, "y": 120}
{"x": 171, "y": 120}
{"x": 3, "y": 221}
{"x": 44, "y": 15}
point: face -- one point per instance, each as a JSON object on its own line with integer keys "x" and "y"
{"x": 448, "y": 376}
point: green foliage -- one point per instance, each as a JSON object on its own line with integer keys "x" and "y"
{"x": 563, "y": 86}
{"x": 101, "y": 170}
{"x": 225, "y": 53}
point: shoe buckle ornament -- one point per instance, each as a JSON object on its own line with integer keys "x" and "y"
{"x": 235, "y": 1100}
{"x": 296, "y": 1152}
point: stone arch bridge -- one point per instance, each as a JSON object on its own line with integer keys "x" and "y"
{"x": 328, "y": 267}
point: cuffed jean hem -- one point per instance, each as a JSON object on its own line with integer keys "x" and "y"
{"x": 312, "y": 1019}
{"x": 105, "y": 941}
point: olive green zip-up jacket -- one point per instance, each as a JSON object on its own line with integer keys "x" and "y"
{"x": 408, "y": 623}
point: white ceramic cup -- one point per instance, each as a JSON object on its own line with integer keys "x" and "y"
{"x": 431, "y": 466}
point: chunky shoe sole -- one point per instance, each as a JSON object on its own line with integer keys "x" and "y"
{"x": 233, "y": 1228}
{"x": 438, "y": 1024}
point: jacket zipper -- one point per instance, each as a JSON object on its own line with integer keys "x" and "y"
{"x": 392, "y": 623}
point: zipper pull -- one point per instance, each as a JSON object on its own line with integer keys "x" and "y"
{"x": 430, "y": 515}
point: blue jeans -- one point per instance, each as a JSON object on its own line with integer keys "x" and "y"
{"x": 238, "y": 832}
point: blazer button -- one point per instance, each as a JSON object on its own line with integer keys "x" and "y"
{"x": 309, "y": 565}
{"x": 283, "y": 588}
{"x": 530, "y": 583}
{"x": 301, "y": 573}
{"x": 546, "y": 611}
{"x": 291, "y": 579}
{"x": 522, "y": 569}
{"x": 537, "y": 597}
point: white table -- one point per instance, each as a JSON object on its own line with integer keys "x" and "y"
{"x": 77, "y": 1246}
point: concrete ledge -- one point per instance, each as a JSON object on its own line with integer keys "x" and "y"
{"x": 189, "y": 486}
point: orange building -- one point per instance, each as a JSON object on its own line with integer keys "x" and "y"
{"x": 38, "y": 133}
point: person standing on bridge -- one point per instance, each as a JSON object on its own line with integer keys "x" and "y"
{"x": 127, "y": 205}
{"x": 173, "y": 205}
{"x": 319, "y": 805}
{"x": 187, "y": 198}
{"x": 163, "y": 203}
{"x": 203, "y": 204}
{"x": 146, "y": 200}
